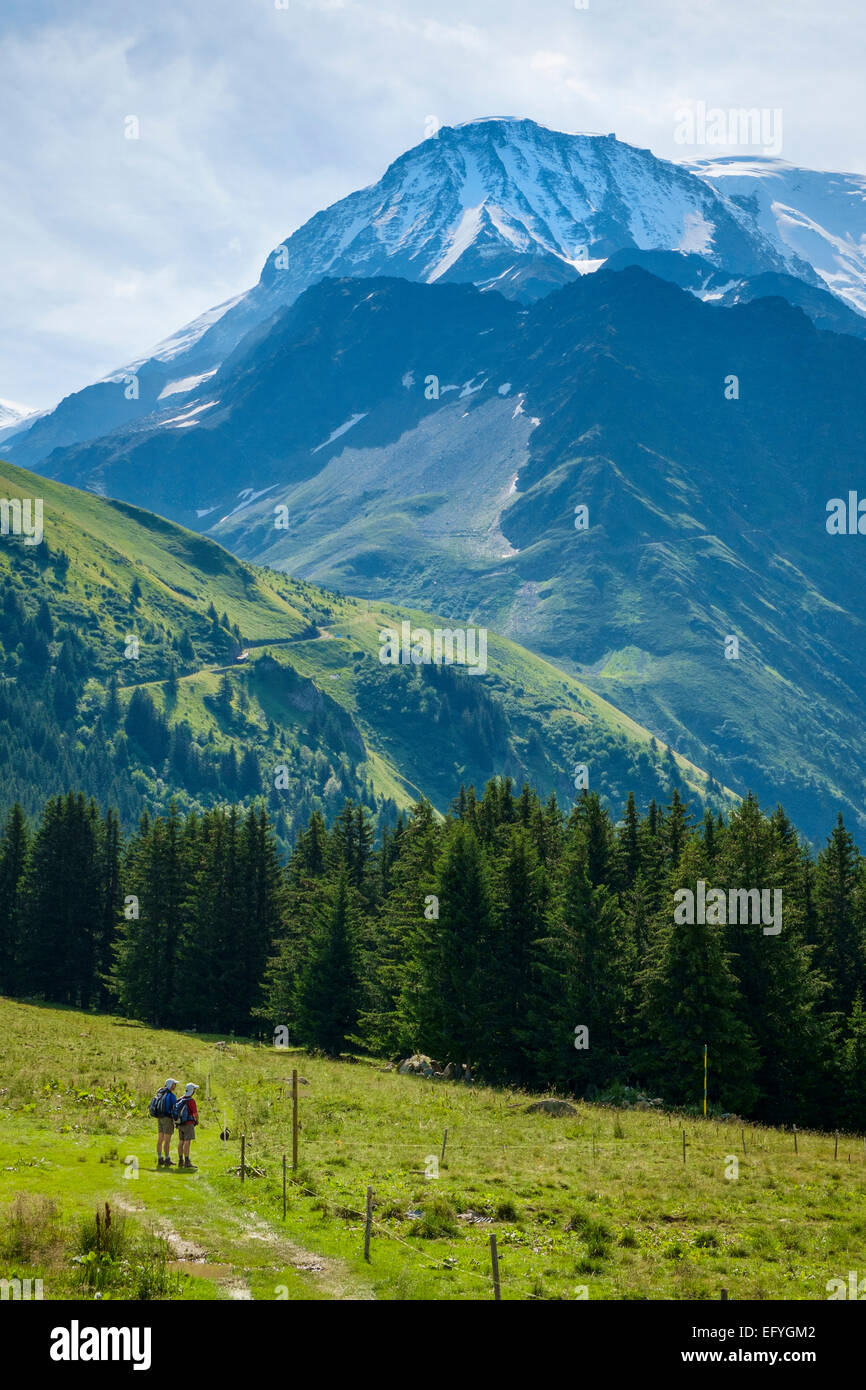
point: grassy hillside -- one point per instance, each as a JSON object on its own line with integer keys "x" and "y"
{"x": 598, "y": 1204}
{"x": 115, "y": 596}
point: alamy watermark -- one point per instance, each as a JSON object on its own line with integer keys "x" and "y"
{"x": 755, "y": 127}
{"x": 77, "y": 1343}
{"x": 22, "y": 516}
{"x": 855, "y": 1288}
{"x": 846, "y": 518}
{"x": 20, "y": 1290}
{"x": 737, "y": 906}
{"x": 441, "y": 647}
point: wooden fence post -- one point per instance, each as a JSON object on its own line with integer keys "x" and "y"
{"x": 494, "y": 1260}
{"x": 795, "y": 1138}
{"x": 294, "y": 1120}
{"x": 243, "y": 1155}
{"x": 368, "y": 1224}
{"x": 684, "y": 1146}
{"x": 444, "y": 1142}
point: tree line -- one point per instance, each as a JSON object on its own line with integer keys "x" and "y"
{"x": 536, "y": 944}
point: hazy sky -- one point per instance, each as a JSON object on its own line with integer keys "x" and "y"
{"x": 252, "y": 116}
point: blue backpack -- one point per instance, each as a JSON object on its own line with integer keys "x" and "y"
{"x": 162, "y": 1103}
{"x": 180, "y": 1113}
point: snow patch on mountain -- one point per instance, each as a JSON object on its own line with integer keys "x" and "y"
{"x": 341, "y": 429}
{"x": 805, "y": 214}
{"x": 184, "y": 385}
{"x": 249, "y": 496}
{"x": 188, "y": 416}
{"x": 11, "y": 413}
{"x": 512, "y": 205}
{"x": 464, "y": 234}
{"x": 186, "y": 337}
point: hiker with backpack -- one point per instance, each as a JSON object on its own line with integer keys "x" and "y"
{"x": 162, "y": 1110}
{"x": 186, "y": 1119}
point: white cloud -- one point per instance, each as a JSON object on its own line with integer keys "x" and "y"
{"x": 253, "y": 118}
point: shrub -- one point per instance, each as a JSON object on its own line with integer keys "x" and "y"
{"x": 439, "y": 1219}
{"x": 507, "y": 1210}
{"x": 596, "y": 1235}
{"x": 31, "y": 1231}
{"x": 707, "y": 1240}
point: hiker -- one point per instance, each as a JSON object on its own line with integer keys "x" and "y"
{"x": 161, "y": 1108}
{"x": 186, "y": 1119}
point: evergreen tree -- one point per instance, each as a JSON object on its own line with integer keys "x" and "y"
{"x": 13, "y": 863}
{"x": 852, "y": 1072}
{"x": 456, "y": 954}
{"x": 156, "y": 875}
{"x": 326, "y": 1013}
{"x": 62, "y": 904}
{"x": 840, "y": 899}
{"x": 518, "y": 924}
{"x": 629, "y": 844}
{"x": 779, "y": 991}
{"x": 583, "y": 970}
{"x": 394, "y": 952}
{"x": 205, "y": 983}
{"x": 690, "y": 999}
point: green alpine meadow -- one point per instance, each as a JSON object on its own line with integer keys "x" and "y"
{"x": 594, "y": 1205}
{"x": 432, "y": 685}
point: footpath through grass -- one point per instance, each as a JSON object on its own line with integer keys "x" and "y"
{"x": 596, "y": 1205}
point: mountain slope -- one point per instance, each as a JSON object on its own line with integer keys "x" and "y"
{"x": 807, "y": 214}
{"x": 13, "y": 417}
{"x": 707, "y": 514}
{"x": 501, "y": 203}
{"x": 259, "y": 686}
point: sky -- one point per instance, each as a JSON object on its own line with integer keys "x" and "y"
{"x": 251, "y": 115}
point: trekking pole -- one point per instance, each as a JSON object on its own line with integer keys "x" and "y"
{"x": 243, "y": 1150}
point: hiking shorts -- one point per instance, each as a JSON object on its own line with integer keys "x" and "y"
{"x": 166, "y": 1124}
{"x": 186, "y": 1131}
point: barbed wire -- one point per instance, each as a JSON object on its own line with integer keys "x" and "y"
{"x": 487, "y": 1279}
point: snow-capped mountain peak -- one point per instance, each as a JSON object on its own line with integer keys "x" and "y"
{"x": 11, "y": 412}
{"x": 510, "y": 205}
{"x": 805, "y": 213}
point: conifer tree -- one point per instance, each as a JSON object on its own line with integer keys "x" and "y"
{"x": 690, "y": 999}
{"x": 518, "y": 924}
{"x": 584, "y": 966}
{"x": 13, "y": 862}
{"x": 205, "y": 983}
{"x": 778, "y": 988}
{"x": 156, "y": 878}
{"x": 61, "y": 903}
{"x": 840, "y": 900}
{"x": 455, "y": 955}
{"x": 326, "y": 1012}
{"x": 395, "y": 951}
{"x": 852, "y": 1071}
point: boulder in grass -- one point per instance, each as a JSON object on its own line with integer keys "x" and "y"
{"x": 551, "y": 1107}
{"x": 418, "y": 1065}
